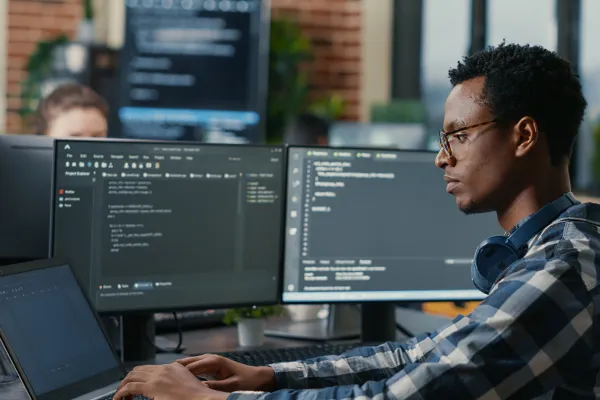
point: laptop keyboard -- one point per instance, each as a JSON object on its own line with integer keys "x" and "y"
{"x": 110, "y": 397}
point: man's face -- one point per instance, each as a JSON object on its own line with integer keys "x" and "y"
{"x": 78, "y": 122}
{"x": 478, "y": 172}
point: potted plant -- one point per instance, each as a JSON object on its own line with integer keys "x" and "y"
{"x": 251, "y": 323}
{"x": 85, "y": 30}
{"x": 38, "y": 67}
{"x": 288, "y": 94}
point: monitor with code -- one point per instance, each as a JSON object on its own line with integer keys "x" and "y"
{"x": 153, "y": 226}
{"x": 194, "y": 70}
{"x": 376, "y": 225}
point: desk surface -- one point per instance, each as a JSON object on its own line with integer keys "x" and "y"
{"x": 224, "y": 339}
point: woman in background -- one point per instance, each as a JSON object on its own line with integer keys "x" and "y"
{"x": 72, "y": 110}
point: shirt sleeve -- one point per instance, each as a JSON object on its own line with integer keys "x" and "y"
{"x": 533, "y": 334}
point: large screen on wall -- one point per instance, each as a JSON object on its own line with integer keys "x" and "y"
{"x": 194, "y": 70}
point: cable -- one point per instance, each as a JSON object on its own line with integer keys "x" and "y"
{"x": 176, "y": 349}
{"x": 403, "y": 330}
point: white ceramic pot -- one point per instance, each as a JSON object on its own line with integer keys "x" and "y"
{"x": 86, "y": 32}
{"x": 251, "y": 332}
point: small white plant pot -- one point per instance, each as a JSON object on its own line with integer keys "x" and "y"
{"x": 86, "y": 32}
{"x": 251, "y": 332}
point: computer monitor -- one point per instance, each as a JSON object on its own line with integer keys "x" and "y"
{"x": 371, "y": 225}
{"x": 195, "y": 70}
{"x": 368, "y": 225}
{"x": 25, "y": 176}
{"x": 165, "y": 226}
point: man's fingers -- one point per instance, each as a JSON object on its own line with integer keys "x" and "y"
{"x": 135, "y": 377}
{"x": 145, "y": 368}
{"x": 188, "y": 360}
{"x": 226, "y": 385}
{"x": 210, "y": 365}
{"x": 131, "y": 389}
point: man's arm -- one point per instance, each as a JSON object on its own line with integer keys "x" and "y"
{"x": 352, "y": 367}
{"x": 532, "y": 334}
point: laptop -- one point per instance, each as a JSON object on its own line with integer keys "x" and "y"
{"x": 53, "y": 335}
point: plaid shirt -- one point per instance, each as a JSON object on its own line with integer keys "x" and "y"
{"x": 535, "y": 336}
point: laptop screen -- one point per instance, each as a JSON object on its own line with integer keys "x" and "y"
{"x": 53, "y": 334}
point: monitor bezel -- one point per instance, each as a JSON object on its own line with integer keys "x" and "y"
{"x": 78, "y": 388}
{"x": 321, "y": 300}
{"x": 216, "y": 305}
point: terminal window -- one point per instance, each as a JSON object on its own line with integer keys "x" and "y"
{"x": 366, "y": 225}
{"x": 154, "y": 226}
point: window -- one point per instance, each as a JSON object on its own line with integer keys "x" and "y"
{"x": 445, "y": 42}
{"x": 523, "y": 22}
{"x": 590, "y": 78}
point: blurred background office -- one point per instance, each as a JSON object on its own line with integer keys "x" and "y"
{"x": 373, "y": 72}
{"x": 305, "y": 72}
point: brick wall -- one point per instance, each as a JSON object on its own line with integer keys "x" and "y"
{"x": 30, "y": 21}
{"x": 333, "y": 25}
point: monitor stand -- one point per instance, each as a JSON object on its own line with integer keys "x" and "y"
{"x": 138, "y": 340}
{"x": 342, "y": 323}
{"x": 378, "y": 322}
{"x": 372, "y": 323}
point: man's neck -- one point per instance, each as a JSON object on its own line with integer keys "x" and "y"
{"x": 533, "y": 197}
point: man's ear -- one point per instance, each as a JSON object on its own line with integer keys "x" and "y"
{"x": 526, "y": 136}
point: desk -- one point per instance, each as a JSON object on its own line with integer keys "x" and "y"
{"x": 224, "y": 339}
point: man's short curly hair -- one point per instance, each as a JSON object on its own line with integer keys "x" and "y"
{"x": 525, "y": 80}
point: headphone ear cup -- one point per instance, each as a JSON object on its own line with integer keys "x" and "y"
{"x": 492, "y": 257}
{"x": 497, "y": 253}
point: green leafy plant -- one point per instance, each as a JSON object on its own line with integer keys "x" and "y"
{"x": 330, "y": 108}
{"x": 399, "y": 111}
{"x": 38, "y": 69}
{"x": 233, "y": 315}
{"x": 288, "y": 85}
{"x": 88, "y": 9}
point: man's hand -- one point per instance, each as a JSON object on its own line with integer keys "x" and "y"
{"x": 231, "y": 376}
{"x": 165, "y": 382}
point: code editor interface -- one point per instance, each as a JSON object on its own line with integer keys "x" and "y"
{"x": 157, "y": 226}
{"x": 375, "y": 225}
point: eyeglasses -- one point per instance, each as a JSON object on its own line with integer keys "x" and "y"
{"x": 445, "y": 144}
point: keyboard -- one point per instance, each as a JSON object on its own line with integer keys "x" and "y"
{"x": 165, "y": 322}
{"x": 110, "y": 397}
{"x": 261, "y": 357}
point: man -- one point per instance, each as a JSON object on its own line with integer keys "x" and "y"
{"x": 509, "y": 126}
{"x": 72, "y": 110}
